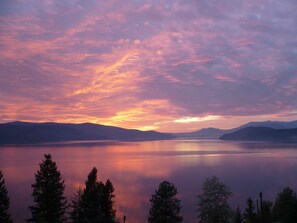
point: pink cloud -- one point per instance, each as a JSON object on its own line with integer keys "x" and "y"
{"x": 225, "y": 78}
{"x": 135, "y": 64}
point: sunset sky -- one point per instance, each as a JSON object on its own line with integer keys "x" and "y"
{"x": 164, "y": 65}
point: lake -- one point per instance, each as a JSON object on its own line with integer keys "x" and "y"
{"x": 137, "y": 168}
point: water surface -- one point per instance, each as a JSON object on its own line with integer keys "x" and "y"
{"x": 137, "y": 168}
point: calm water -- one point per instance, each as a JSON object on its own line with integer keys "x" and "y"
{"x": 137, "y": 168}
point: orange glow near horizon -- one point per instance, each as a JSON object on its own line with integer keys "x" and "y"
{"x": 145, "y": 66}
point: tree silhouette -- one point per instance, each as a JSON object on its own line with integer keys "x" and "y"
{"x": 249, "y": 214}
{"x": 4, "y": 201}
{"x": 50, "y": 203}
{"x": 95, "y": 202}
{"x": 238, "y": 216}
{"x": 165, "y": 206}
{"x": 91, "y": 198}
{"x": 267, "y": 211}
{"x": 285, "y": 207}
{"x": 213, "y": 204}
{"x": 76, "y": 215}
{"x": 108, "y": 214}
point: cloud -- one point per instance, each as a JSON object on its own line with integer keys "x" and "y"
{"x": 142, "y": 64}
{"x": 196, "y": 119}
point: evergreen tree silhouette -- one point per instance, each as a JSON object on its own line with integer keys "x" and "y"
{"x": 249, "y": 214}
{"x": 108, "y": 214}
{"x": 95, "y": 202}
{"x": 90, "y": 199}
{"x": 285, "y": 207}
{"x": 4, "y": 201}
{"x": 50, "y": 203}
{"x": 238, "y": 216}
{"x": 165, "y": 206}
{"x": 267, "y": 212}
{"x": 213, "y": 204}
{"x": 76, "y": 215}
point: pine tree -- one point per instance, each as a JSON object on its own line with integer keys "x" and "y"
{"x": 165, "y": 206}
{"x": 76, "y": 215}
{"x": 91, "y": 198}
{"x": 108, "y": 214}
{"x": 95, "y": 202}
{"x": 249, "y": 214}
{"x": 267, "y": 211}
{"x": 238, "y": 216}
{"x": 213, "y": 204}
{"x": 285, "y": 207}
{"x": 50, "y": 203}
{"x": 86, "y": 203}
{"x": 4, "y": 201}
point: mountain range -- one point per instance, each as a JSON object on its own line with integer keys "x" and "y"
{"x": 29, "y": 133}
{"x": 262, "y": 134}
{"x": 215, "y": 133}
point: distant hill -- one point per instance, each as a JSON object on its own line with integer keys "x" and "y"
{"x": 27, "y": 133}
{"x": 262, "y": 134}
{"x": 272, "y": 124}
{"x": 216, "y": 133}
{"x": 207, "y": 133}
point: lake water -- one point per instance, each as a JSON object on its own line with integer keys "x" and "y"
{"x": 137, "y": 168}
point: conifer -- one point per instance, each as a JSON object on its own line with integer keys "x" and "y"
{"x": 165, "y": 206}
{"x": 4, "y": 201}
{"x": 50, "y": 204}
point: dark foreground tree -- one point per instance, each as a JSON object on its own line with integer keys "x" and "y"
{"x": 88, "y": 202}
{"x": 4, "y": 201}
{"x": 77, "y": 211}
{"x": 285, "y": 207}
{"x": 213, "y": 204}
{"x": 165, "y": 206}
{"x": 238, "y": 216}
{"x": 249, "y": 214}
{"x": 108, "y": 213}
{"x": 267, "y": 212}
{"x": 95, "y": 202}
{"x": 50, "y": 203}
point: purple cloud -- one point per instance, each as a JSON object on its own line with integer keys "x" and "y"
{"x": 99, "y": 61}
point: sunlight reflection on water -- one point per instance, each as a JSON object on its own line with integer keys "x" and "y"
{"x": 136, "y": 169}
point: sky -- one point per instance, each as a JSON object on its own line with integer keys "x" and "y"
{"x": 165, "y": 65}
